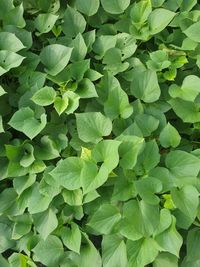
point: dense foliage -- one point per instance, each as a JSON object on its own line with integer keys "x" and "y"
{"x": 99, "y": 133}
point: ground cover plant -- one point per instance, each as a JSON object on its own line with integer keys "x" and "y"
{"x": 99, "y": 133}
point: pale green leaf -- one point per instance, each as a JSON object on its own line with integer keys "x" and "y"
{"x": 45, "y": 96}
{"x": 87, "y": 7}
{"x": 24, "y": 121}
{"x": 92, "y": 126}
{"x": 55, "y": 58}
{"x": 45, "y": 222}
{"x": 169, "y": 136}
{"x": 71, "y": 237}
{"x": 104, "y": 219}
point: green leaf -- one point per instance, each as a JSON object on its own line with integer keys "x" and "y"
{"x": 115, "y": 6}
{"x": 151, "y": 124}
{"x": 117, "y": 103}
{"x": 8, "y": 41}
{"x": 19, "y": 259}
{"x": 45, "y": 22}
{"x": 147, "y": 188}
{"x": 73, "y": 102}
{"x": 140, "y": 11}
{"x": 49, "y": 252}
{"x": 45, "y": 96}
{"x": 15, "y": 17}
{"x": 169, "y": 136}
{"x": 106, "y": 151}
{"x": 88, "y": 7}
{"x": 73, "y": 198}
{"x": 113, "y": 251}
{"x": 9, "y": 60}
{"x": 79, "y": 48}
{"x": 86, "y": 89}
{"x": 186, "y": 199}
{"x": 170, "y": 240}
{"x": 129, "y": 150}
{"x": 188, "y": 91}
{"x": 55, "y": 57}
{"x": 76, "y": 21}
{"x": 104, "y": 219}
{"x": 3, "y": 261}
{"x": 182, "y": 163}
{"x": 24, "y": 121}
{"x": 5, "y": 6}
{"x": 193, "y": 31}
{"x": 139, "y": 219}
{"x": 159, "y": 19}
{"x": 150, "y": 157}
{"x": 187, "y": 111}
{"x": 145, "y": 86}
{"x": 159, "y": 60}
{"x": 5, "y": 237}
{"x": 22, "y": 226}
{"x": 71, "y": 237}
{"x": 142, "y": 252}
{"x": 113, "y": 61}
{"x": 193, "y": 245}
{"x": 92, "y": 126}
{"x": 103, "y": 43}
{"x": 89, "y": 253}
{"x": 23, "y": 182}
{"x": 2, "y": 91}
{"x": 47, "y": 149}
{"x": 36, "y": 197}
{"x": 165, "y": 259}
{"x": 68, "y": 173}
{"x": 1, "y": 125}
{"x": 45, "y": 223}
{"x": 91, "y": 177}
{"x": 93, "y": 75}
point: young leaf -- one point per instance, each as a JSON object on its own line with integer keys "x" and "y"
{"x": 61, "y": 104}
